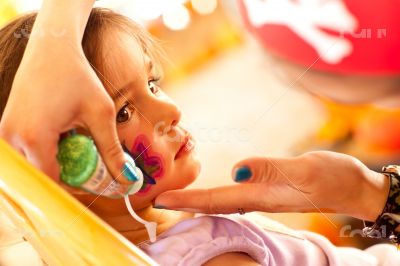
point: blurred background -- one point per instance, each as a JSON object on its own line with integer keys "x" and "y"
{"x": 237, "y": 104}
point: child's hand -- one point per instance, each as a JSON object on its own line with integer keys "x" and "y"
{"x": 313, "y": 182}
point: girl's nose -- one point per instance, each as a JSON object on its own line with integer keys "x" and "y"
{"x": 169, "y": 116}
{"x": 175, "y": 115}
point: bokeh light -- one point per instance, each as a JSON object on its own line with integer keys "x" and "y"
{"x": 204, "y": 7}
{"x": 176, "y": 17}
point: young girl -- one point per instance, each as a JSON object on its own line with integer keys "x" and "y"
{"x": 148, "y": 123}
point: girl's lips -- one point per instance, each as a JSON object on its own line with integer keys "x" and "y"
{"x": 187, "y": 146}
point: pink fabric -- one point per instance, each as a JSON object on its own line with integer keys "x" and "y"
{"x": 195, "y": 241}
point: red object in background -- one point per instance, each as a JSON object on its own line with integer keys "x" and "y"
{"x": 349, "y": 37}
{"x": 341, "y": 36}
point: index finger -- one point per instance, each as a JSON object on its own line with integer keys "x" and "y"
{"x": 221, "y": 200}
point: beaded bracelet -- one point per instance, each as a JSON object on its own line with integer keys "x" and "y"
{"x": 386, "y": 224}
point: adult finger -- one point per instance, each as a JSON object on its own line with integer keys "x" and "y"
{"x": 228, "y": 199}
{"x": 105, "y": 135}
{"x": 266, "y": 170}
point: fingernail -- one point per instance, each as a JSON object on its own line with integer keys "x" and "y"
{"x": 242, "y": 174}
{"x": 159, "y": 207}
{"x": 129, "y": 172}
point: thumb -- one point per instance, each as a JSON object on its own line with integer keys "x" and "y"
{"x": 105, "y": 136}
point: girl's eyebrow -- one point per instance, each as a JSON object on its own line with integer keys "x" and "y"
{"x": 120, "y": 93}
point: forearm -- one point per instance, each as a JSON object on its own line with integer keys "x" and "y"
{"x": 61, "y": 20}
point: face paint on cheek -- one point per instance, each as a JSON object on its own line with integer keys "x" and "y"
{"x": 148, "y": 161}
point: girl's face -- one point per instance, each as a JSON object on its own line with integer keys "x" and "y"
{"x": 148, "y": 125}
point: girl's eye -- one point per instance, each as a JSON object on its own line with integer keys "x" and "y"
{"x": 153, "y": 86}
{"x": 124, "y": 114}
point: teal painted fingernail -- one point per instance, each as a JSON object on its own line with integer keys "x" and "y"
{"x": 242, "y": 174}
{"x": 159, "y": 207}
{"x": 129, "y": 172}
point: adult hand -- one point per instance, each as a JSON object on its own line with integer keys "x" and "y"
{"x": 315, "y": 181}
{"x": 55, "y": 90}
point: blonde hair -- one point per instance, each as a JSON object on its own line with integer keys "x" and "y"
{"x": 15, "y": 35}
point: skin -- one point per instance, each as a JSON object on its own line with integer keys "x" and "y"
{"x": 319, "y": 181}
{"x": 311, "y": 182}
{"x": 146, "y": 117}
{"x": 148, "y": 125}
{"x": 59, "y": 25}
{"x": 238, "y": 258}
{"x": 40, "y": 75}
{"x": 43, "y": 72}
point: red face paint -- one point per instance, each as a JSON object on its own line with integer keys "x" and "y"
{"x": 150, "y": 162}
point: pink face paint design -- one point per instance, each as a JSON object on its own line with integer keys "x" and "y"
{"x": 149, "y": 162}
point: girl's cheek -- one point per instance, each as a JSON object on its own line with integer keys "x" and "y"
{"x": 150, "y": 162}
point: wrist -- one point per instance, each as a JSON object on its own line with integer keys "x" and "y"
{"x": 373, "y": 196}
{"x": 387, "y": 224}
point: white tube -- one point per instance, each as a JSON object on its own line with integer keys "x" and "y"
{"x": 151, "y": 227}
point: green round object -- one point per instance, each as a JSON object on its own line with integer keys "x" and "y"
{"x": 77, "y": 156}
